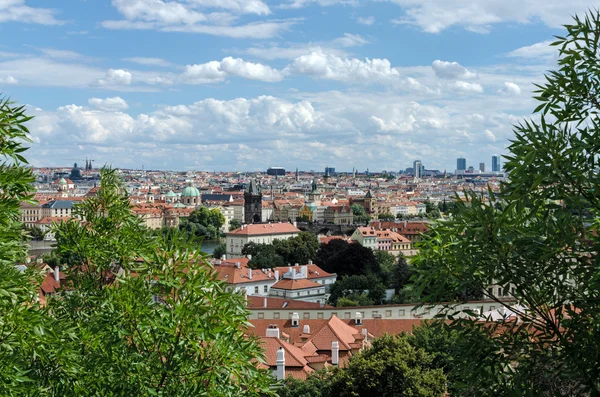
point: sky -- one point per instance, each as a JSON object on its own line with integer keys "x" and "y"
{"x": 242, "y": 85}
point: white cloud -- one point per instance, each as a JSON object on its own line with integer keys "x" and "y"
{"x": 366, "y": 20}
{"x": 451, "y": 70}
{"x": 323, "y": 3}
{"x": 116, "y": 77}
{"x": 8, "y": 80}
{"x": 17, "y": 11}
{"x": 185, "y": 16}
{"x": 434, "y": 16}
{"x": 510, "y": 89}
{"x": 109, "y": 104}
{"x": 490, "y": 135}
{"x": 466, "y": 87}
{"x": 149, "y": 61}
{"x": 215, "y": 71}
{"x": 536, "y": 51}
{"x": 327, "y": 66}
{"x": 350, "y": 40}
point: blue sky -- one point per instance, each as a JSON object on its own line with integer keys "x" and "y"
{"x": 248, "y": 84}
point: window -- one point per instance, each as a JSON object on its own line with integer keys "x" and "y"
{"x": 276, "y": 315}
{"x": 499, "y": 291}
{"x": 492, "y": 308}
{"x": 320, "y": 315}
{"x": 266, "y": 289}
{"x": 491, "y": 291}
{"x": 388, "y": 313}
{"x": 401, "y": 313}
{"x": 306, "y": 316}
{"x": 261, "y": 316}
{"x": 256, "y": 289}
{"x": 347, "y": 315}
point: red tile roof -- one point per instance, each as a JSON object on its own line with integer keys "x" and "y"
{"x": 264, "y": 228}
{"x": 302, "y": 283}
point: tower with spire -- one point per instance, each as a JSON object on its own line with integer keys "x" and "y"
{"x": 253, "y": 203}
{"x": 297, "y": 176}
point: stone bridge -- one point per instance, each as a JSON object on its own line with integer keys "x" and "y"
{"x": 324, "y": 228}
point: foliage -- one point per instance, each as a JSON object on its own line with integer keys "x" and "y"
{"x": 354, "y": 288}
{"x": 234, "y": 224}
{"x": 299, "y": 249}
{"x": 220, "y": 250}
{"x": 386, "y": 263}
{"x": 360, "y": 214}
{"x": 204, "y": 222}
{"x": 532, "y": 237}
{"x": 317, "y": 384}
{"x": 391, "y": 367}
{"x": 163, "y": 326}
{"x": 386, "y": 217}
{"x": 34, "y": 233}
{"x": 346, "y": 259}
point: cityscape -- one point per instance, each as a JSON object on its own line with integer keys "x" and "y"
{"x": 299, "y": 198}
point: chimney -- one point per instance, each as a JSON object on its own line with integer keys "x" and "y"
{"x": 306, "y": 329}
{"x": 335, "y": 352}
{"x": 224, "y": 258}
{"x": 265, "y": 302}
{"x": 280, "y": 364}
{"x": 366, "y": 334}
{"x": 295, "y": 224}
{"x": 272, "y": 331}
{"x": 57, "y": 274}
{"x": 358, "y": 319}
{"x": 295, "y": 320}
{"x": 304, "y": 271}
{"x": 237, "y": 265}
{"x": 249, "y": 257}
{"x": 250, "y": 273}
{"x": 310, "y": 262}
{"x": 276, "y": 274}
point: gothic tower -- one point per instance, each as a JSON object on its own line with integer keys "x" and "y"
{"x": 252, "y": 204}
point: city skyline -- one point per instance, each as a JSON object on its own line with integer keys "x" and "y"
{"x": 245, "y": 85}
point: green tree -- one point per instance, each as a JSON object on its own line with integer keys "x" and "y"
{"x": 386, "y": 263}
{"x": 147, "y": 312}
{"x": 539, "y": 245}
{"x": 234, "y": 224}
{"x": 204, "y": 222}
{"x": 357, "y": 288}
{"x": 339, "y": 256}
{"x": 391, "y": 367}
{"x": 220, "y": 250}
{"x": 360, "y": 214}
{"x": 317, "y": 384}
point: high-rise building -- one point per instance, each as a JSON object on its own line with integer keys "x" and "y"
{"x": 329, "y": 171}
{"x": 461, "y": 164}
{"x": 496, "y": 165}
{"x": 482, "y": 167}
{"x": 417, "y": 168}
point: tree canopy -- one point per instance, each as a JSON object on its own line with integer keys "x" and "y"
{"x": 299, "y": 249}
{"x": 346, "y": 259}
{"x": 537, "y": 238}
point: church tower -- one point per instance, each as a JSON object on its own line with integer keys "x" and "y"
{"x": 253, "y": 204}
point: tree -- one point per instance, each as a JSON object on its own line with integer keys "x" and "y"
{"x": 391, "y": 367}
{"x": 360, "y": 214}
{"x": 386, "y": 263}
{"x": 317, "y": 384}
{"x": 363, "y": 289}
{"x": 35, "y": 233}
{"x": 339, "y": 256}
{"x": 540, "y": 245}
{"x": 204, "y": 222}
{"x": 147, "y": 312}
{"x": 299, "y": 249}
{"x": 234, "y": 224}
{"x": 220, "y": 250}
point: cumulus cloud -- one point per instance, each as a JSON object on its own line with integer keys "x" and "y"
{"x": 323, "y": 3}
{"x": 109, "y": 104}
{"x": 327, "y": 66}
{"x": 536, "y": 51}
{"x": 434, "y": 16}
{"x": 510, "y": 89}
{"x": 451, "y": 70}
{"x": 366, "y": 20}
{"x": 215, "y": 71}
{"x": 116, "y": 77}
{"x": 8, "y": 80}
{"x": 18, "y": 11}
{"x": 237, "y": 6}
{"x": 466, "y": 87}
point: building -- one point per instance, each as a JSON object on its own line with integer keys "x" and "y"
{"x": 276, "y": 171}
{"x": 461, "y": 164}
{"x": 253, "y": 203}
{"x": 338, "y": 215}
{"x": 496, "y": 163}
{"x": 365, "y": 236}
{"x": 264, "y": 233}
{"x": 330, "y": 171}
{"x": 190, "y": 196}
{"x": 482, "y": 167}
{"x": 417, "y": 169}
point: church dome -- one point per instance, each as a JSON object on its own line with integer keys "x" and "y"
{"x": 171, "y": 194}
{"x": 62, "y": 181}
{"x": 190, "y": 191}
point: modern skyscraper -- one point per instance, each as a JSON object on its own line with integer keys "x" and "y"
{"x": 496, "y": 165}
{"x": 417, "y": 168}
{"x": 482, "y": 167}
{"x": 461, "y": 164}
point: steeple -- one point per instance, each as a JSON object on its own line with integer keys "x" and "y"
{"x": 297, "y": 174}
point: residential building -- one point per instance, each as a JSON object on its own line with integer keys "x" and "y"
{"x": 338, "y": 215}
{"x": 264, "y": 233}
{"x": 365, "y": 236}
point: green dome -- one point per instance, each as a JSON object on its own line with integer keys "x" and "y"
{"x": 62, "y": 181}
{"x": 190, "y": 191}
{"x": 171, "y": 194}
